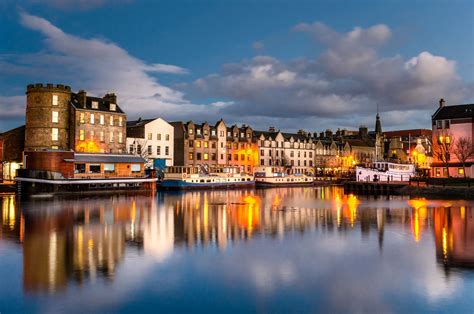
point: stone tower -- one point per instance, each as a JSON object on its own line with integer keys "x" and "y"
{"x": 47, "y": 117}
{"x": 379, "y": 138}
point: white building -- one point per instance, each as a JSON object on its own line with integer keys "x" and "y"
{"x": 152, "y": 139}
{"x": 294, "y": 150}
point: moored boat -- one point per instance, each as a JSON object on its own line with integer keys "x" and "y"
{"x": 192, "y": 177}
{"x": 383, "y": 171}
{"x": 277, "y": 176}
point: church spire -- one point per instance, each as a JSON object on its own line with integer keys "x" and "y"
{"x": 378, "y": 124}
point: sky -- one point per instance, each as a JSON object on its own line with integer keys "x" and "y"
{"x": 309, "y": 65}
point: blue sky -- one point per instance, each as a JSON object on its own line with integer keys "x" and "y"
{"x": 290, "y": 64}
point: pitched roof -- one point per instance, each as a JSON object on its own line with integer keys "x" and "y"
{"x": 139, "y": 122}
{"x": 103, "y": 105}
{"x": 454, "y": 112}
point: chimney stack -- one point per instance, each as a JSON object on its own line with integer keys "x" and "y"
{"x": 81, "y": 97}
{"x": 442, "y": 103}
{"x": 110, "y": 97}
{"x": 271, "y": 129}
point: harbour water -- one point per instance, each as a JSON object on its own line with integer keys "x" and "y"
{"x": 310, "y": 249}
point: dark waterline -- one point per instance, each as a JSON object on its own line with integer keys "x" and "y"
{"x": 275, "y": 250}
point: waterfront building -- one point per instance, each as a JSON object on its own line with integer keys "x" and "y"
{"x": 58, "y": 119}
{"x": 241, "y": 149}
{"x": 295, "y": 151}
{"x": 153, "y": 139}
{"x": 12, "y": 144}
{"x": 332, "y": 153}
{"x": 450, "y": 124}
{"x": 409, "y": 146}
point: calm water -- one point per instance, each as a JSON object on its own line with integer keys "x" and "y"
{"x": 275, "y": 250}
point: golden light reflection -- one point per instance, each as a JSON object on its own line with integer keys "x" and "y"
{"x": 88, "y": 147}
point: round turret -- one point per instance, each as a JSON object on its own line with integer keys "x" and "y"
{"x": 47, "y": 117}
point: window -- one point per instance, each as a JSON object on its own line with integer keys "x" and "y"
{"x": 191, "y": 131}
{"x": 229, "y": 157}
{"x": 222, "y": 144}
{"x": 120, "y": 121}
{"x": 101, "y": 119}
{"x": 158, "y": 150}
{"x": 221, "y": 133}
{"x": 213, "y": 156}
{"x": 139, "y": 149}
{"x": 167, "y": 137}
{"x": 113, "y": 107}
{"x": 242, "y": 157}
{"x": 205, "y": 132}
{"x": 198, "y": 156}
{"x": 213, "y": 132}
{"x": 167, "y": 150}
{"x": 236, "y": 157}
{"x": 190, "y": 156}
{"x": 262, "y": 152}
{"x": 120, "y": 139}
{"x": 198, "y": 144}
{"x": 191, "y": 143}
{"x": 438, "y": 172}
{"x": 94, "y": 168}
{"x": 292, "y": 154}
{"x": 92, "y": 118}
{"x": 55, "y": 117}
{"x": 54, "y": 134}
{"x": 206, "y": 156}
{"x": 136, "y": 168}
{"x": 55, "y": 100}
{"x": 461, "y": 171}
{"x": 80, "y": 168}
{"x": 54, "y": 147}
{"x": 91, "y": 134}
{"x": 111, "y": 120}
{"x": 81, "y": 135}
{"x": 241, "y": 134}
{"x": 198, "y": 131}
{"x": 446, "y": 124}
{"x": 102, "y": 136}
{"x": 111, "y": 136}
{"x": 213, "y": 144}
{"x": 95, "y": 105}
{"x": 150, "y": 136}
{"x": 439, "y": 124}
{"x": 131, "y": 149}
{"x": 149, "y": 150}
{"x": 81, "y": 117}
{"x": 109, "y": 168}
{"x": 158, "y": 136}
{"x": 206, "y": 144}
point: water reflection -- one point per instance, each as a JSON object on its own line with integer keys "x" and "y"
{"x": 71, "y": 241}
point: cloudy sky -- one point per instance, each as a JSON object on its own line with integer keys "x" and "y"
{"x": 289, "y": 64}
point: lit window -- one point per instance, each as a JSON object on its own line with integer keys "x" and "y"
{"x": 113, "y": 107}
{"x": 206, "y": 144}
{"x": 190, "y": 131}
{"x": 213, "y": 132}
{"x": 109, "y": 168}
{"x": 54, "y": 134}
{"x": 167, "y": 150}
{"x": 111, "y": 120}
{"x": 198, "y": 131}
{"x": 136, "y": 167}
{"x": 190, "y": 156}
{"x": 120, "y": 139}
{"x": 54, "y": 147}
{"x": 102, "y": 119}
{"x": 111, "y": 136}
{"x": 206, "y": 156}
{"x": 92, "y": 118}
{"x": 95, "y": 105}
{"x": 55, "y": 100}
{"x": 198, "y": 144}
{"x": 81, "y": 117}
{"x": 120, "y": 121}
{"x": 81, "y": 135}
{"x": 55, "y": 117}
{"x": 461, "y": 171}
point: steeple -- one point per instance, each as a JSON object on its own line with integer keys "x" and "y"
{"x": 378, "y": 124}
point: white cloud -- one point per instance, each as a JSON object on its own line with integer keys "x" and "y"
{"x": 345, "y": 81}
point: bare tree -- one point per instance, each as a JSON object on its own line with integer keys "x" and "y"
{"x": 141, "y": 149}
{"x": 443, "y": 149}
{"x": 463, "y": 151}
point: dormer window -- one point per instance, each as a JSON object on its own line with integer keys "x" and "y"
{"x": 213, "y": 132}
{"x": 113, "y": 107}
{"x": 198, "y": 131}
{"x": 95, "y": 105}
{"x": 190, "y": 131}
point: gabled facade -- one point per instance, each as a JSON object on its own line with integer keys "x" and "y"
{"x": 449, "y": 125}
{"x": 153, "y": 139}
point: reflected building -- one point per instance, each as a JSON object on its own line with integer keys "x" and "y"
{"x": 454, "y": 236}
